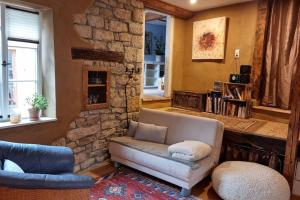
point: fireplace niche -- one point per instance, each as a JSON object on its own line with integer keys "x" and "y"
{"x": 95, "y": 88}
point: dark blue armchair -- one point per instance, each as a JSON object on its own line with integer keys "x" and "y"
{"x": 48, "y": 171}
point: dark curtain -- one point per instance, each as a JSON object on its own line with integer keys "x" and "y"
{"x": 282, "y": 53}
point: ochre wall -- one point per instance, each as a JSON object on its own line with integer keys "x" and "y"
{"x": 68, "y": 76}
{"x": 178, "y": 53}
{"x": 200, "y": 76}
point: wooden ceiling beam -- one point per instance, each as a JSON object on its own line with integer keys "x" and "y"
{"x": 168, "y": 8}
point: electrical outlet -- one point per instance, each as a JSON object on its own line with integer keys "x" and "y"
{"x": 237, "y": 53}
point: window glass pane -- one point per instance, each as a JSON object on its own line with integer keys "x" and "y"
{"x": 23, "y": 61}
{"x": 17, "y": 94}
{"x": 22, "y": 75}
{"x": 22, "y": 25}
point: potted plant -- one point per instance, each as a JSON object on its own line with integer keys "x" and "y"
{"x": 159, "y": 49}
{"x": 37, "y": 103}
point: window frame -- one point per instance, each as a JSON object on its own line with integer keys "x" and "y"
{"x": 4, "y": 82}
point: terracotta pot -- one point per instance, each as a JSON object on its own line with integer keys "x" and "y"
{"x": 34, "y": 114}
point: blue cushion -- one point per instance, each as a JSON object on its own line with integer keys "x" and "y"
{"x": 12, "y": 166}
{"x": 0, "y": 164}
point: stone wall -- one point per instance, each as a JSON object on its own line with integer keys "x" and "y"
{"x": 114, "y": 25}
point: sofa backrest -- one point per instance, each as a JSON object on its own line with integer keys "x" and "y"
{"x": 186, "y": 127}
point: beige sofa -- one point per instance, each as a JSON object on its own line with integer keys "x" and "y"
{"x": 154, "y": 159}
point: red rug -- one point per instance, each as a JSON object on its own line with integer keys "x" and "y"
{"x": 126, "y": 184}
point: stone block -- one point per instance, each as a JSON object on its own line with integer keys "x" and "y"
{"x": 136, "y": 28}
{"x": 117, "y": 26}
{"x": 99, "y": 144}
{"x": 109, "y": 124}
{"x": 137, "y": 4}
{"x": 81, "y": 157}
{"x": 79, "y": 133}
{"x": 86, "y": 164}
{"x": 137, "y": 41}
{"x": 78, "y": 149}
{"x": 138, "y": 15}
{"x": 130, "y": 54}
{"x": 93, "y": 10}
{"x": 84, "y": 31}
{"x": 125, "y": 37}
{"x": 103, "y": 35}
{"x": 86, "y": 140}
{"x": 122, "y": 14}
{"x": 95, "y": 21}
{"x": 116, "y": 46}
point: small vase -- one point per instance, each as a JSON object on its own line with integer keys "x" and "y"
{"x": 34, "y": 114}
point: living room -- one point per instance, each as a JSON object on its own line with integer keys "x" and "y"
{"x": 149, "y": 99}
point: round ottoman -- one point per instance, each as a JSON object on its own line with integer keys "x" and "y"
{"x": 249, "y": 181}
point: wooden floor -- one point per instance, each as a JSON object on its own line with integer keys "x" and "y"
{"x": 202, "y": 190}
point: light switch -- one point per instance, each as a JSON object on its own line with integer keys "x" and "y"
{"x": 237, "y": 53}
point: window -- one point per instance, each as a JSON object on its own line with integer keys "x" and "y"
{"x": 20, "y": 57}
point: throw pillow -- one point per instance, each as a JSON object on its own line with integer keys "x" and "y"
{"x": 132, "y": 128}
{"x": 190, "y": 150}
{"x": 151, "y": 133}
{"x": 12, "y": 166}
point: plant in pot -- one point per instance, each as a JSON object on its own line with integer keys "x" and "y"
{"x": 38, "y": 103}
{"x": 159, "y": 49}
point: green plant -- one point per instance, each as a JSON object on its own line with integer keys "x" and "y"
{"x": 159, "y": 46}
{"x": 37, "y": 102}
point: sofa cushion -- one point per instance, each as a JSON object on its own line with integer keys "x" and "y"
{"x": 151, "y": 133}
{"x": 12, "y": 166}
{"x": 156, "y": 149}
{"x": 132, "y": 128}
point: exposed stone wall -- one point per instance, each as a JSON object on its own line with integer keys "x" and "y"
{"x": 114, "y": 25}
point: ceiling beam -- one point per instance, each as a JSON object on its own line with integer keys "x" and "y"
{"x": 153, "y": 17}
{"x": 168, "y": 9}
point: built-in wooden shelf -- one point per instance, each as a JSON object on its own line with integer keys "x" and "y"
{"x": 95, "y": 91}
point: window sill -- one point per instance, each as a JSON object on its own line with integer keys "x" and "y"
{"x": 26, "y": 122}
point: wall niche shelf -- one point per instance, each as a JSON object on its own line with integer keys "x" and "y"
{"x": 95, "y": 91}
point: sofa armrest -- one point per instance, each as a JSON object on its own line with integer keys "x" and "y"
{"x": 38, "y": 158}
{"x": 44, "y": 181}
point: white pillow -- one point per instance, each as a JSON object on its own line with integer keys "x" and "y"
{"x": 12, "y": 166}
{"x": 190, "y": 150}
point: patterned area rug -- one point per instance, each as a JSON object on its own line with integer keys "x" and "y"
{"x": 126, "y": 184}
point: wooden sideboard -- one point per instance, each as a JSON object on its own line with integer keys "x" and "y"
{"x": 189, "y": 100}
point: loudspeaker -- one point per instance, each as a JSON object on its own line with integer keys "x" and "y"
{"x": 245, "y": 78}
{"x": 234, "y": 78}
{"x": 245, "y": 69}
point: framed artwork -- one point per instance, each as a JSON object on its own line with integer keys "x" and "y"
{"x": 148, "y": 43}
{"x": 209, "y": 39}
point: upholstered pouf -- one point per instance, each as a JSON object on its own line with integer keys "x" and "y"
{"x": 249, "y": 181}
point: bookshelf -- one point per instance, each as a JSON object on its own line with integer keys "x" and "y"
{"x": 95, "y": 88}
{"x": 233, "y": 99}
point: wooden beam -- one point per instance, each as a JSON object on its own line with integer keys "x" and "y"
{"x": 168, "y": 8}
{"x": 152, "y": 16}
{"x": 294, "y": 130}
{"x": 94, "y": 54}
{"x": 259, "y": 50}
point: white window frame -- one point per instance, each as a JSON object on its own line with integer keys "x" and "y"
{"x": 4, "y": 56}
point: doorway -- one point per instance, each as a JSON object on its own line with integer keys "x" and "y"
{"x": 157, "y": 54}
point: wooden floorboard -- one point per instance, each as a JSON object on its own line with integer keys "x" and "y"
{"x": 202, "y": 190}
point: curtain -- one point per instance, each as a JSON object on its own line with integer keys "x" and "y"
{"x": 282, "y": 53}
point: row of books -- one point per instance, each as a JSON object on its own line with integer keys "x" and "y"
{"x": 217, "y": 104}
{"x": 234, "y": 93}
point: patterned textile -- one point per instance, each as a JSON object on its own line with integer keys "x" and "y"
{"x": 126, "y": 184}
